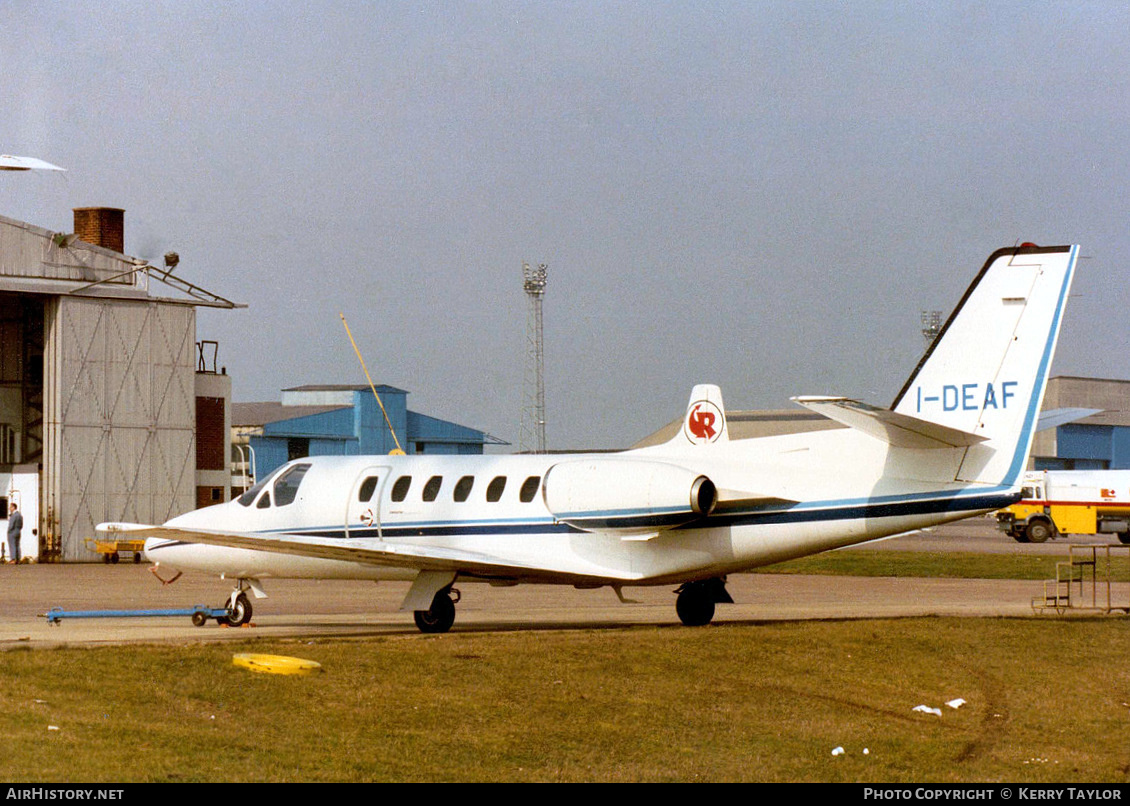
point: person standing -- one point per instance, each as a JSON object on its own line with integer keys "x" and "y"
{"x": 15, "y": 528}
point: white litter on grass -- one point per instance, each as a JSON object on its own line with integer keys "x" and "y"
{"x": 926, "y": 709}
{"x": 955, "y": 704}
{"x": 839, "y": 751}
{"x": 52, "y": 727}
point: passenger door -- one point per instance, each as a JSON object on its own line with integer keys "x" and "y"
{"x": 362, "y": 510}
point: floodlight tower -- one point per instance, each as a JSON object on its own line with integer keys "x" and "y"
{"x": 931, "y": 326}
{"x": 531, "y": 434}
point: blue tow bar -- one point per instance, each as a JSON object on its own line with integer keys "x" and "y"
{"x": 198, "y": 613}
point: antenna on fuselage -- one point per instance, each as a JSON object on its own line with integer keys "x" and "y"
{"x": 398, "y": 451}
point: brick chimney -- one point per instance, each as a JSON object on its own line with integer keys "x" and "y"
{"x": 101, "y": 226}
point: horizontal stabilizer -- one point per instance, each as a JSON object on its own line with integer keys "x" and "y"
{"x": 900, "y": 430}
{"x": 1054, "y": 418}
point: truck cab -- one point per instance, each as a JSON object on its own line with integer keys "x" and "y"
{"x": 1069, "y": 502}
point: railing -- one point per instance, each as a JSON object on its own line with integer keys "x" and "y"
{"x": 1102, "y": 571}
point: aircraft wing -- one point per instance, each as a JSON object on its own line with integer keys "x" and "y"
{"x": 385, "y": 553}
{"x": 10, "y": 162}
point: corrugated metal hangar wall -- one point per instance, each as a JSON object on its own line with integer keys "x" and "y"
{"x": 119, "y": 417}
{"x": 98, "y": 387}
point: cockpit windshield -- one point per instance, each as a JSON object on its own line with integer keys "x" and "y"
{"x": 284, "y": 487}
{"x": 249, "y": 496}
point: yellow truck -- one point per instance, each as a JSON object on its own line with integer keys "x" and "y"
{"x": 1069, "y": 502}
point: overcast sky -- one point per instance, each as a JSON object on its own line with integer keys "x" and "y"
{"x": 762, "y": 195}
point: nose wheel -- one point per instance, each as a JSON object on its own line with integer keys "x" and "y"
{"x": 240, "y": 610}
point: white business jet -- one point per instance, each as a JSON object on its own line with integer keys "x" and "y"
{"x": 686, "y": 513}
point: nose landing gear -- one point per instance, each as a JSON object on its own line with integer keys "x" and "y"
{"x": 240, "y": 609}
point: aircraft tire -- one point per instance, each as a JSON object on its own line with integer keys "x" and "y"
{"x": 1038, "y": 531}
{"x": 438, "y": 618}
{"x": 695, "y": 606}
{"x": 1124, "y": 537}
{"x": 240, "y": 612}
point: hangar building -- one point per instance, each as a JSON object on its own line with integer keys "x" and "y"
{"x": 320, "y": 420}
{"x": 1098, "y": 442}
{"x": 103, "y": 388}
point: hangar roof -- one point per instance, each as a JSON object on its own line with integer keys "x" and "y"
{"x": 1110, "y": 395}
{"x": 245, "y": 415}
{"x": 34, "y": 260}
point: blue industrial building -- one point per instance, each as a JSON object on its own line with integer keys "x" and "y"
{"x": 341, "y": 420}
{"x": 1098, "y": 442}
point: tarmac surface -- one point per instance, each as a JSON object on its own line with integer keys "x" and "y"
{"x": 311, "y": 608}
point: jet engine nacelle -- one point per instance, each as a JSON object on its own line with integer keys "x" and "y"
{"x": 626, "y": 495}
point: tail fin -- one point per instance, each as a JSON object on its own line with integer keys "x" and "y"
{"x": 705, "y": 420}
{"x": 986, "y": 372}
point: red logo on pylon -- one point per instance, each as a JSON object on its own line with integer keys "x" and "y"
{"x": 704, "y": 422}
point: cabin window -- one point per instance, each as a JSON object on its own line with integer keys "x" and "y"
{"x": 264, "y": 500}
{"x": 368, "y": 487}
{"x": 431, "y": 489}
{"x": 495, "y": 488}
{"x": 286, "y": 486}
{"x": 400, "y": 489}
{"x": 463, "y": 488}
{"x": 529, "y": 489}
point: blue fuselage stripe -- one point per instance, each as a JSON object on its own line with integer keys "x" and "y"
{"x": 895, "y": 506}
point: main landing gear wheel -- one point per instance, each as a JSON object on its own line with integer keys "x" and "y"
{"x": 441, "y": 615}
{"x": 695, "y": 605}
{"x": 240, "y": 611}
{"x": 695, "y": 609}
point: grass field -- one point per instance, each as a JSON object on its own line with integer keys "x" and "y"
{"x": 1047, "y": 700}
{"x": 953, "y": 565}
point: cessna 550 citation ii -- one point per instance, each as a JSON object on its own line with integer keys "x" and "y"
{"x": 686, "y": 513}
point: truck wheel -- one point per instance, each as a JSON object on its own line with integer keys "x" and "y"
{"x": 1038, "y": 531}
